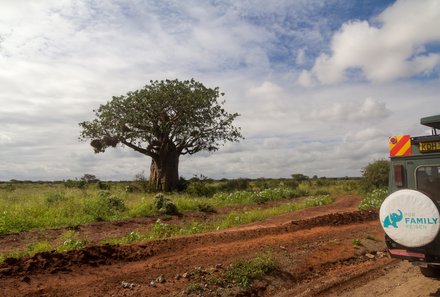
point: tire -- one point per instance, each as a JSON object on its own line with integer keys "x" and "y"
{"x": 410, "y": 218}
{"x": 430, "y": 271}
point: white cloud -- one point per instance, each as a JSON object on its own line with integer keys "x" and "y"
{"x": 5, "y": 139}
{"x": 369, "y": 109}
{"x": 393, "y": 50}
{"x": 60, "y": 59}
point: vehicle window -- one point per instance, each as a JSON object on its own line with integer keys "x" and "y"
{"x": 428, "y": 181}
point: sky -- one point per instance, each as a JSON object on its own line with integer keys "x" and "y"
{"x": 320, "y": 84}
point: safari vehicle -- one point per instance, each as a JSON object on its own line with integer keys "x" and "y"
{"x": 410, "y": 214}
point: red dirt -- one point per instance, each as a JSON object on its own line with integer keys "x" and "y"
{"x": 313, "y": 247}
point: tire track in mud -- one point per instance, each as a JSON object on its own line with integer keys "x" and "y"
{"x": 94, "y": 256}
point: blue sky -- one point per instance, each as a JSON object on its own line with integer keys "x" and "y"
{"x": 320, "y": 85}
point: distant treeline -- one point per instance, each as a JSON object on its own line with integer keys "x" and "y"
{"x": 211, "y": 180}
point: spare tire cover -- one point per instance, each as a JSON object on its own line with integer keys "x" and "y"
{"x": 410, "y": 218}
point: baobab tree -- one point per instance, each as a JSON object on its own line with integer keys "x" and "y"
{"x": 163, "y": 120}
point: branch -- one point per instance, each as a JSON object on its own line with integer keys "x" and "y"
{"x": 138, "y": 149}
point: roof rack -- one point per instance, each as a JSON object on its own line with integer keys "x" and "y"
{"x": 433, "y": 122}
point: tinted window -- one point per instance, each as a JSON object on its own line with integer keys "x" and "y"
{"x": 428, "y": 181}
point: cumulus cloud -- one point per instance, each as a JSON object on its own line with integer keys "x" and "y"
{"x": 369, "y": 109}
{"x": 392, "y": 47}
{"x": 61, "y": 59}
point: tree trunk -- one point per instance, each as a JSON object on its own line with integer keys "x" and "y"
{"x": 164, "y": 170}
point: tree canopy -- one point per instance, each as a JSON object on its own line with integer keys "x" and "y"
{"x": 375, "y": 175}
{"x": 163, "y": 120}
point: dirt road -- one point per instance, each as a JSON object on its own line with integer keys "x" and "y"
{"x": 331, "y": 250}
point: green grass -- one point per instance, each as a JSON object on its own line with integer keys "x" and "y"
{"x": 357, "y": 242}
{"x": 240, "y": 273}
{"x": 243, "y": 273}
{"x": 232, "y": 219}
{"x": 27, "y": 206}
{"x": 194, "y": 288}
{"x": 71, "y": 240}
{"x": 32, "y": 249}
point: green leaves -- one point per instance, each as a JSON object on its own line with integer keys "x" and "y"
{"x": 183, "y": 114}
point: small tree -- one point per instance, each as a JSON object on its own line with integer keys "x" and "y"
{"x": 375, "y": 175}
{"x": 90, "y": 178}
{"x": 163, "y": 120}
{"x": 299, "y": 177}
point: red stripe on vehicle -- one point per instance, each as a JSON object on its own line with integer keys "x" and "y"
{"x": 395, "y": 150}
{"x": 407, "y": 253}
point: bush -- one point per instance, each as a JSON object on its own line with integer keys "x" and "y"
{"x": 374, "y": 199}
{"x": 89, "y": 178}
{"x": 375, "y": 175}
{"x": 113, "y": 203}
{"x": 239, "y": 184}
{"x": 105, "y": 206}
{"x": 290, "y": 183}
{"x": 103, "y": 186}
{"x": 73, "y": 183}
{"x": 200, "y": 189}
{"x": 163, "y": 205}
{"x": 182, "y": 185}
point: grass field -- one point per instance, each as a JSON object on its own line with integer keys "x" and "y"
{"x": 25, "y": 206}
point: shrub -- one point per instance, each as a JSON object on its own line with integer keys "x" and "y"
{"x": 375, "y": 175}
{"x": 163, "y": 205}
{"x": 103, "y": 186}
{"x": 374, "y": 199}
{"x": 200, "y": 189}
{"x": 240, "y": 184}
{"x": 131, "y": 189}
{"x": 182, "y": 185}
{"x": 291, "y": 184}
{"x": 73, "y": 183}
{"x": 105, "y": 206}
{"x": 89, "y": 178}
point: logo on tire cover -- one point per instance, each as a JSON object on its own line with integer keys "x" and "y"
{"x": 392, "y": 219}
{"x": 411, "y": 220}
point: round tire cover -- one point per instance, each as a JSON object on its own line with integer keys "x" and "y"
{"x": 410, "y": 218}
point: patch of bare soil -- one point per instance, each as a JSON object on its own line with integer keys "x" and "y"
{"x": 319, "y": 251}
